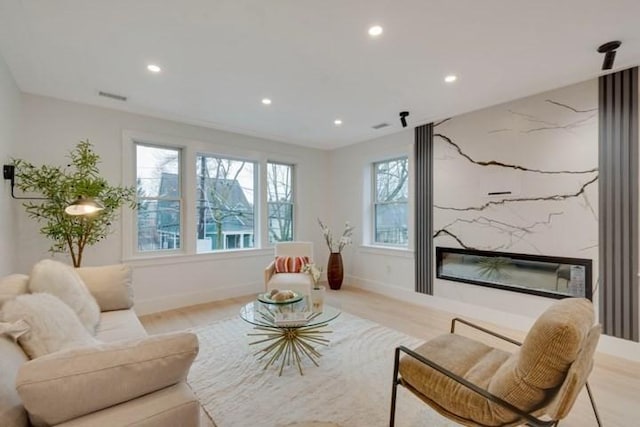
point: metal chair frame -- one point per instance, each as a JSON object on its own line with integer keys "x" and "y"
{"x": 524, "y": 416}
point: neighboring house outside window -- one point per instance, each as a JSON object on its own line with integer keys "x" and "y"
{"x": 225, "y": 203}
{"x": 159, "y": 202}
{"x": 390, "y": 199}
{"x": 280, "y": 202}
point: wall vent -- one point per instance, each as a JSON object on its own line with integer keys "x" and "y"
{"x": 380, "y": 126}
{"x": 113, "y": 96}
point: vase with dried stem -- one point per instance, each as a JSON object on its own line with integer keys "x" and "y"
{"x": 335, "y": 269}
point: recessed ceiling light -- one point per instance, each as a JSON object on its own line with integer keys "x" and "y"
{"x": 375, "y": 31}
{"x": 451, "y": 78}
{"x": 337, "y": 122}
{"x": 266, "y": 101}
{"x": 154, "y": 68}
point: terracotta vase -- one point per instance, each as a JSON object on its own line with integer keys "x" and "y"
{"x": 335, "y": 271}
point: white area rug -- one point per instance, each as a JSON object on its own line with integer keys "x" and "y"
{"x": 351, "y": 387}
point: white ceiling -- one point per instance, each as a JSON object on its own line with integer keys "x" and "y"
{"x": 314, "y": 59}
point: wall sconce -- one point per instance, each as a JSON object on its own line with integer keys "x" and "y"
{"x": 9, "y": 172}
{"x": 81, "y": 206}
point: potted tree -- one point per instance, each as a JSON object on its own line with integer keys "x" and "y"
{"x": 60, "y": 186}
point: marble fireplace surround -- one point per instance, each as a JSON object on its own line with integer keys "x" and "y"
{"x": 519, "y": 177}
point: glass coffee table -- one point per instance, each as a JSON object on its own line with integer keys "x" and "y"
{"x": 289, "y": 332}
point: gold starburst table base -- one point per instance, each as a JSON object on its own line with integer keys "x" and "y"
{"x": 286, "y": 346}
{"x": 288, "y": 333}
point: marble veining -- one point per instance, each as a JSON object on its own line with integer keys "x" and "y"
{"x": 540, "y": 151}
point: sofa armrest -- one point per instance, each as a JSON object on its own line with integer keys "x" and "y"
{"x": 172, "y": 406}
{"x": 268, "y": 273}
{"x": 68, "y": 384}
{"x": 110, "y": 285}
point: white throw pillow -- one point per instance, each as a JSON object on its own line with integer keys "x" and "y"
{"x": 13, "y": 285}
{"x": 61, "y": 280}
{"x": 53, "y": 325}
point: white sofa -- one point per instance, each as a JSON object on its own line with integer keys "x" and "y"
{"x": 130, "y": 379}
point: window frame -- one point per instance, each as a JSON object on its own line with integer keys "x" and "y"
{"x": 180, "y": 200}
{"x": 257, "y": 217}
{"x": 190, "y": 148}
{"x": 375, "y": 203}
{"x": 292, "y": 203}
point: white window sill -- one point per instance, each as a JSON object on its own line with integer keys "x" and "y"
{"x": 183, "y": 258}
{"x": 387, "y": 251}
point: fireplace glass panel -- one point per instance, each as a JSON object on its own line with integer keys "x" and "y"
{"x": 555, "y": 277}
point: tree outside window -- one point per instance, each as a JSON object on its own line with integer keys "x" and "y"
{"x": 225, "y": 204}
{"x": 280, "y": 202}
{"x": 391, "y": 191}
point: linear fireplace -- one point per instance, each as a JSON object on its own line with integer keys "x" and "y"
{"x": 548, "y": 276}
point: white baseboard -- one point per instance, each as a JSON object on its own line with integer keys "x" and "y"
{"x": 169, "y": 302}
{"x": 607, "y": 344}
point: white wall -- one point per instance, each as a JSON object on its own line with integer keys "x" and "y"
{"x": 53, "y": 127}
{"x": 351, "y": 191}
{"x": 10, "y": 99}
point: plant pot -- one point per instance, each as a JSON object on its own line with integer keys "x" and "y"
{"x": 335, "y": 271}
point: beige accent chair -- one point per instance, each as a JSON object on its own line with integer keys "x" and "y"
{"x": 297, "y": 282}
{"x": 478, "y": 385}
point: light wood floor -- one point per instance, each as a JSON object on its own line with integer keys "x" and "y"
{"x": 615, "y": 382}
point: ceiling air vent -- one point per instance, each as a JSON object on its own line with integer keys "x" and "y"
{"x": 112, "y": 96}
{"x": 380, "y": 126}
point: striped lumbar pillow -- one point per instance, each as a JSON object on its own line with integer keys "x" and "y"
{"x": 286, "y": 264}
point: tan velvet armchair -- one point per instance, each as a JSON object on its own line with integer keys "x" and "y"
{"x": 475, "y": 384}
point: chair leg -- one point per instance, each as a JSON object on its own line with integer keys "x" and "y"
{"x": 394, "y": 390}
{"x": 593, "y": 404}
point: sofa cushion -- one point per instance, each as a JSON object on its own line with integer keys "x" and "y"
{"x": 61, "y": 280}
{"x": 93, "y": 378}
{"x": 289, "y": 264}
{"x": 53, "y": 325}
{"x": 284, "y": 280}
{"x": 110, "y": 285}
{"x": 119, "y": 325}
{"x": 12, "y": 413}
{"x": 13, "y": 285}
{"x": 298, "y": 282}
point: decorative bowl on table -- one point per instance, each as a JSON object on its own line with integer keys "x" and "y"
{"x": 279, "y": 297}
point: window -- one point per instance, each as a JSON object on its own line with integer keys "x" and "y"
{"x": 159, "y": 198}
{"x": 390, "y": 210}
{"x": 225, "y": 203}
{"x": 204, "y": 198}
{"x": 280, "y": 202}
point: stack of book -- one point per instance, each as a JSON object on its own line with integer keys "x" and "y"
{"x": 298, "y": 318}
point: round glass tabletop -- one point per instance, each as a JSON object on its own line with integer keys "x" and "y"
{"x": 261, "y": 314}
